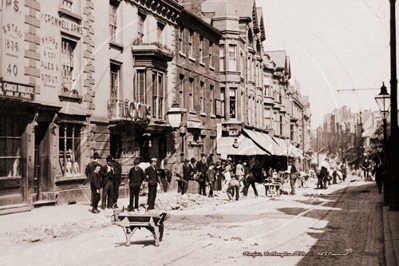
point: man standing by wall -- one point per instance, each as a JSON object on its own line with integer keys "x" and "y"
{"x": 107, "y": 175}
{"x": 136, "y": 178}
{"x": 152, "y": 178}
{"x": 117, "y": 179}
{"x": 89, "y": 172}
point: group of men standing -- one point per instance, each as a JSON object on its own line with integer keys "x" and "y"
{"x": 106, "y": 177}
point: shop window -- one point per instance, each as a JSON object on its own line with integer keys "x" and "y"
{"x": 160, "y": 28}
{"x": 233, "y": 103}
{"x": 140, "y": 89}
{"x": 10, "y": 146}
{"x": 67, "y": 4}
{"x": 221, "y": 58}
{"x": 67, "y": 62}
{"x": 191, "y": 94}
{"x": 140, "y": 32}
{"x": 232, "y": 58}
{"x": 113, "y": 19}
{"x": 69, "y": 149}
{"x": 157, "y": 95}
{"x": 191, "y": 43}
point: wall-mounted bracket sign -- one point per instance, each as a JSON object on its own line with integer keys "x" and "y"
{"x": 14, "y": 90}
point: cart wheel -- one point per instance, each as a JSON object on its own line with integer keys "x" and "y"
{"x": 161, "y": 228}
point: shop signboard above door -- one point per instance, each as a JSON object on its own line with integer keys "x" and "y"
{"x": 16, "y": 91}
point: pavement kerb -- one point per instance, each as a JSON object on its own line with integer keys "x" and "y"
{"x": 388, "y": 241}
{"x": 394, "y": 227}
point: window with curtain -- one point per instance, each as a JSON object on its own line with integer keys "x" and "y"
{"x": 69, "y": 149}
{"x": 113, "y": 19}
{"x": 210, "y": 54}
{"x": 140, "y": 89}
{"x": 202, "y": 96}
{"x": 233, "y": 103}
{"x": 232, "y": 58}
{"x": 211, "y": 96}
{"x": 67, "y": 62}
{"x": 221, "y": 57}
{"x": 191, "y": 43}
{"x": 191, "y": 93}
{"x": 181, "y": 36}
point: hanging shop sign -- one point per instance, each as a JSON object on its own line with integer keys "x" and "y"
{"x": 14, "y": 90}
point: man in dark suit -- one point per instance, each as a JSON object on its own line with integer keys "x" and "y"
{"x": 136, "y": 178}
{"x": 89, "y": 172}
{"x": 107, "y": 174}
{"x": 202, "y": 169}
{"x": 152, "y": 178}
{"x": 95, "y": 186}
{"x": 293, "y": 176}
{"x": 187, "y": 174}
{"x": 117, "y": 179}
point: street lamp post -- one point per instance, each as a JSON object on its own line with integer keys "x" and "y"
{"x": 383, "y": 102}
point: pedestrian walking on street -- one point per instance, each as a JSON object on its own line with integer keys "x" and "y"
{"x": 211, "y": 178}
{"x": 90, "y": 167}
{"x": 117, "y": 180}
{"x": 180, "y": 175}
{"x": 249, "y": 181}
{"x": 233, "y": 187}
{"x": 95, "y": 186}
{"x": 344, "y": 170}
{"x": 152, "y": 178}
{"x": 136, "y": 178}
{"x": 202, "y": 171}
{"x": 365, "y": 167}
{"x": 324, "y": 172}
{"x": 378, "y": 171}
{"x": 240, "y": 173}
{"x": 293, "y": 176}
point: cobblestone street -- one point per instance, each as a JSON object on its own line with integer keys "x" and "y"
{"x": 338, "y": 226}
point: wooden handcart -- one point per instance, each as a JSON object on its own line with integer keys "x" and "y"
{"x": 152, "y": 222}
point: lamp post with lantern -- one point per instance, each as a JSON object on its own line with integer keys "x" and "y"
{"x": 384, "y": 103}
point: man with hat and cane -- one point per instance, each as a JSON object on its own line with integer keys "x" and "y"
{"x": 152, "y": 178}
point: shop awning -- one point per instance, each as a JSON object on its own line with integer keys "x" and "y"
{"x": 295, "y": 151}
{"x": 260, "y": 140}
{"x": 281, "y": 143}
{"x": 245, "y": 146}
{"x": 275, "y": 148}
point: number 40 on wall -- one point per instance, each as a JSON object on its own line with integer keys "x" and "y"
{"x": 12, "y": 69}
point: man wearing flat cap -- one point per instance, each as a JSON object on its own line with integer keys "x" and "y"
{"x": 152, "y": 178}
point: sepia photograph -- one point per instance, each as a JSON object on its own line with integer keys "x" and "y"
{"x": 199, "y": 132}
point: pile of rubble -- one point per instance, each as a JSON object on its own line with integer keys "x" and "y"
{"x": 175, "y": 201}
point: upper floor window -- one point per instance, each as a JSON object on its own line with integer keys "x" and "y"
{"x": 210, "y": 54}
{"x": 202, "y": 96}
{"x": 211, "y": 96}
{"x": 67, "y": 4}
{"x": 201, "y": 48}
{"x": 191, "y": 94}
{"x": 181, "y": 36}
{"x": 67, "y": 62}
{"x": 157, "y": 95}
{"x": 232, "y": 57}
{"x": 113, "y": 19}
{"x": 242, "y": 66}
{"x": 267, "y": 89}
{"x": 139, "y": 94}
{"x": 221, "y": 58}
{"x": 114, "y": 71}
{"x": 181, "y": 85}
{"x": 233, "y": 103}
{"x": 191, "y": 43}
{"x": 140, "y": 29}
{"x": 222, "y": 99}
{"x": 160, "y": 28}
